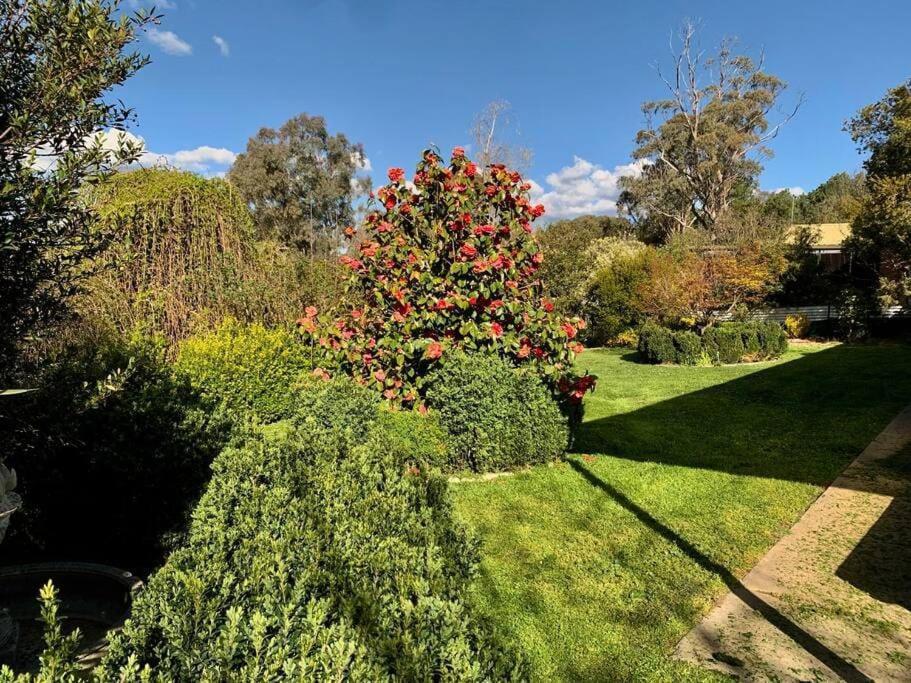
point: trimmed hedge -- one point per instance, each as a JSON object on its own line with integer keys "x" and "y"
{"x": 246, "y": 368}
{"x": 720, "y": 344}
{"x": 322, "y": 549}
{"x": 496, "y": 416}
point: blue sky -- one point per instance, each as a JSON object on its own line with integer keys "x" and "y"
{"x": 399, "y": 75}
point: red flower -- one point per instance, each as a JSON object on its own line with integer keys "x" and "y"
{"x": 356, "y": 314}
{"x": 380, "y": 375}
{"x": 569, "y": 329}
{"x": 368, "y": 249}
{"x": 537, "y": 211}
{"x": 442, "y": 305}
{"x": 480, "y": 266}
{"x": 384, "y": 226}
{"x": 434, "y": 350}
{"x": 490, "y": 190}
{"x": 471, "y": 169}
{"x": 396, "y": 174}
{"x": 390, "y": 201}
{"x": 350, "y": 231}
{"x": 537, "y": 258}
{"x": 526, "y": 226}
{"x": 458, "y": 152}
{"x": 495, "y": 304}
{"x": 547, "y": 305}
{"x": 484, "y": 230}
{"x": 468, "y": 251}
{"x": 524, "y": 351}
{"x": 310, "y": 311}
{"x": 496, "y": 330}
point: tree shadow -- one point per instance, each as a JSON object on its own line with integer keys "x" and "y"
{"x": 833, "y": 660}
{"x": 802, "y": 420}
{"x": 880, "y": 564}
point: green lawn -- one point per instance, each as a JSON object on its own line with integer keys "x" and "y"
{"x": 598, "y": 565}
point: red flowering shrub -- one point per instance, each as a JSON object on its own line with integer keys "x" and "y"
{"x": 448, "y": 262}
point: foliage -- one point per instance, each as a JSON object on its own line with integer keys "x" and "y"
{"x": 687, "y": 347}
{"x": 724, "y": 343}
{"x": 111, "y": 450}
{"x": 246, "y": 369}
{"x": 656, "y": 344}
{"x": 497, "y": 417}
{"x": 316, "y": 554}
{"x": 450, "y": 263}
{"x": 183, "y": 256}
{"x": 567, "y": 266}
{"x": 300, "y": 182}
{"x": 58, "y": 660}
{"x": 797, "y": 325}
{"x": 701, "y": 285}
{"x": 881, "y": 233}
{"x": 58, "y": 62}
{"x": 612, "y": 302}
{"x": 703, "y": 141}
{"x": 804, "y": 280}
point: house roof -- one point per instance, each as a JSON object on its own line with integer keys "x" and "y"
{"x": 829, "y": 235}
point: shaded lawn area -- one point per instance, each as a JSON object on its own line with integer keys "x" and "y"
{"x": 599, "y": 565}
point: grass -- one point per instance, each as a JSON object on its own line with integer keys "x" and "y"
{"x": 682, "y": 479}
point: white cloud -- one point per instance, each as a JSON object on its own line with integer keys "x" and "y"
{"x": 796, "y": 190}
{"x": 205, "y": 160}
{"x": 583, "y": 188}
{"x": 223, "y": 46}
{"x": 170, "y": 42}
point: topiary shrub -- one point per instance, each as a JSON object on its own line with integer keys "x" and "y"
{"x": 688, "y": 347}
{"x": 246, "y": 368}
{"x": 773, "y": 340}
{"x": 446, "y": 263}
{"x": 316, "y": 555}
{"x": 496, "y": 416}
{"x": 724, "y": 343}
{"x": 656, "y": 344}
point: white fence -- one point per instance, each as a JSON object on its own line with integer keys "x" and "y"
{"x": 816, "y": 313}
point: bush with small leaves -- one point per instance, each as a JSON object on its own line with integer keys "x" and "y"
{"x": 496, "y": 416}
{"x": 723, "y": 343}
{"x": 317, "y": 553}
{"x": 246, "y": 368}
{"x": 797, "y": 325}
{"x": 656, "y": 344}
{"x": 688, "y": 347}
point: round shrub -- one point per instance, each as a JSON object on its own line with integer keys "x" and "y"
{"x": 688, "y": 347}
{"x": 496, "y": 416}
{"x": 773, "y": 340}
{"x": 656, "y": 344}
{"x": 245, "y": 368}
{"x": 314, "y": 557}
{"x": 724, "y": 343}
{"x": 797, "y": 325}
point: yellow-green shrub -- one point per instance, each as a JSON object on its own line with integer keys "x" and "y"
{"x": 246, "y": 368}
{"x": 797, "y": 326}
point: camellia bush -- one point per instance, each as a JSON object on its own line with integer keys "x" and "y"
{"x": 446, "y": 262}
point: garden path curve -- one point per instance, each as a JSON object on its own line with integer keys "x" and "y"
{"x": 832, "y": 599}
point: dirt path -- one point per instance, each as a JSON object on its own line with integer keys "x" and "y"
{"x": 831, "y": 600}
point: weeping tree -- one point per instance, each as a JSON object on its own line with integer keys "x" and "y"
{"x": 182, "y": 253}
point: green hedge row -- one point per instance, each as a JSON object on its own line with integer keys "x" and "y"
{"x": 484, "y": 413}
{"x": 720, "y": 344}
{"x": 324, "y": 548}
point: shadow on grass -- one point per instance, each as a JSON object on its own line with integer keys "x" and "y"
{"x": 880, "y": 564}
{"x": 842, "y": 667}
{"x": 802, "y": 420}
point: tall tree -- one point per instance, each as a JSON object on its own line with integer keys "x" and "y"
{"x": 881, "y": 233}
{"x": 494, "y": 135}
{"x": 59, "y": 60}
{"x": 709, "y": 136}
{"x": 300, "y": 183}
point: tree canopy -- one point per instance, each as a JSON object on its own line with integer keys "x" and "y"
{"x": 706, "y": 138}
{"x": 59, "y": 61}
{"x": 300, "y": 183}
